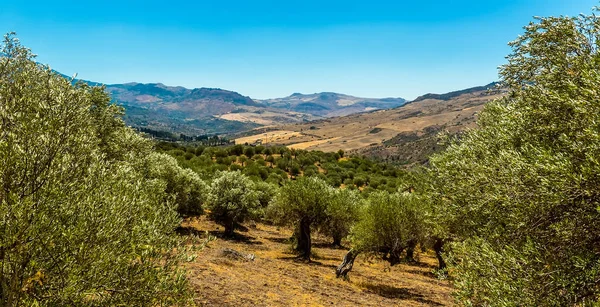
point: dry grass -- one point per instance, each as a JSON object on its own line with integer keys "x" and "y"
{"x": 277, "y": 278}
{"x": 269, "y": 137}
{"x": 360, "y": 131}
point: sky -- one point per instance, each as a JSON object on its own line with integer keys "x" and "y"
{"x": 268, "y": 49}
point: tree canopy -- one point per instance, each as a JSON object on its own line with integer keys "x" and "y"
{"x": 79, "y": 223}
{"x": 521, "y": 192}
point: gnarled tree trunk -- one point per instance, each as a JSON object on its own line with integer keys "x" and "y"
{"x": 346, "y": 265}
{"x": 438, "y": 247}
{"x": 410, "y": 250}
{"x": 304, "y": 242}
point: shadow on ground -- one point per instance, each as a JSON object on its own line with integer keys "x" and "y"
{"x": 397, "y": 293}
{"x": 237, "y": 237}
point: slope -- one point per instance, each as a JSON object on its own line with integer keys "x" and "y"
{"x": 403, "y": 135}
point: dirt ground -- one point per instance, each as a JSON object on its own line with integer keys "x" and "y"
{"x": 276, "y": 278}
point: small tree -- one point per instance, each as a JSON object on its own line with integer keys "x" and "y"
{"x": 342, "y": 213}
{"x": 303, "y": 204}
{"x": 185, "y": 186}
{"x": 389, "y": 224}
{"x": 231, "y": 200}
{"x": 249, "y": 151}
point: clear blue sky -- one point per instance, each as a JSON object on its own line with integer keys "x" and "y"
{"x": 267, "y": 49}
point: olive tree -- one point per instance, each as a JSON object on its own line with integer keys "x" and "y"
{"x": 232, "y": 199}
{"x": 79, "y": 223}
{"x": 303, "y": 204}
{"x": 389, "y": 224}
{"x": 185, "y": 186}
{"x": 522, "y": 190}
{"x": 341, "y": 214}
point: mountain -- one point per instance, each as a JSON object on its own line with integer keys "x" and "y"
{"x": 404, "y": 135}
{"x": 217, "y": 111}
{"x": 329, "y": 104}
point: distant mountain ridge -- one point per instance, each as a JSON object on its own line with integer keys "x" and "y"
{"x": 217, "y": 111}
{"x": 329, "y": 104}
{"x": 454, "y": 94}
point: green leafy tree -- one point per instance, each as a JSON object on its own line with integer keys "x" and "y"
{"x": 232, "y": 199}
{"x": 303, "y": 204}
{"x": 389, "y": 224}
{"x": 188, "y": 190}
{"x": 342, "y": 213}
{"x": 521, "y": 192}
{"x": 249, "y": 151}
{"x": 79, "y": 223}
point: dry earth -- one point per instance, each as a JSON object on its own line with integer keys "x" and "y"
{"x": 276, "y": 278}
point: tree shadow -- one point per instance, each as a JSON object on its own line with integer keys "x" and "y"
{"x": 237, "y": 237}
{"x": 319, "y": 257}
{"x": 280, "y": 240}
{"x": 423, "y": 273}
{"x": 420, "y": 264}
{"x": 397, "y": 293}
{"x": 328, "y": 245}
{"x": 298, "y": 259}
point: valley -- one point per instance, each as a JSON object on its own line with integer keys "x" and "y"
{"x": 405, "y": 134}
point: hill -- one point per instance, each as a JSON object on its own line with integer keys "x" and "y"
{"x": 217, "y": 111}
{"x": 406, "y": 134}
{"x": 328, "y": 104}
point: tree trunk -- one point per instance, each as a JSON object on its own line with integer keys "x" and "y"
{"x": 438, "y": 247}
{"x": 410, "y": 250}
{"x": 346, "y": 266}
{"x": 304, "y": 241}
{"x": 229, "y": 228}
{"x": 337, "y": 241}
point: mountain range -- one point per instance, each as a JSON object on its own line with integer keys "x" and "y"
{"x": 212, "y": 110}
{"x": 385, "y": 128}
{"x": 405, "y": 135}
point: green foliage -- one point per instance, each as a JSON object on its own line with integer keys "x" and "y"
{"x": 290, "y": 165}
{"x": 185, "y": 186}
{"x": 232, "y": 199}
{"x": 302, "y": 203}
{"x": 79, "y": 223}
{"x": 305, "y": 198}
{"x": 342, "y": 212}
{"x": 520, "y": 194}
{"x": 390, "y": 224}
